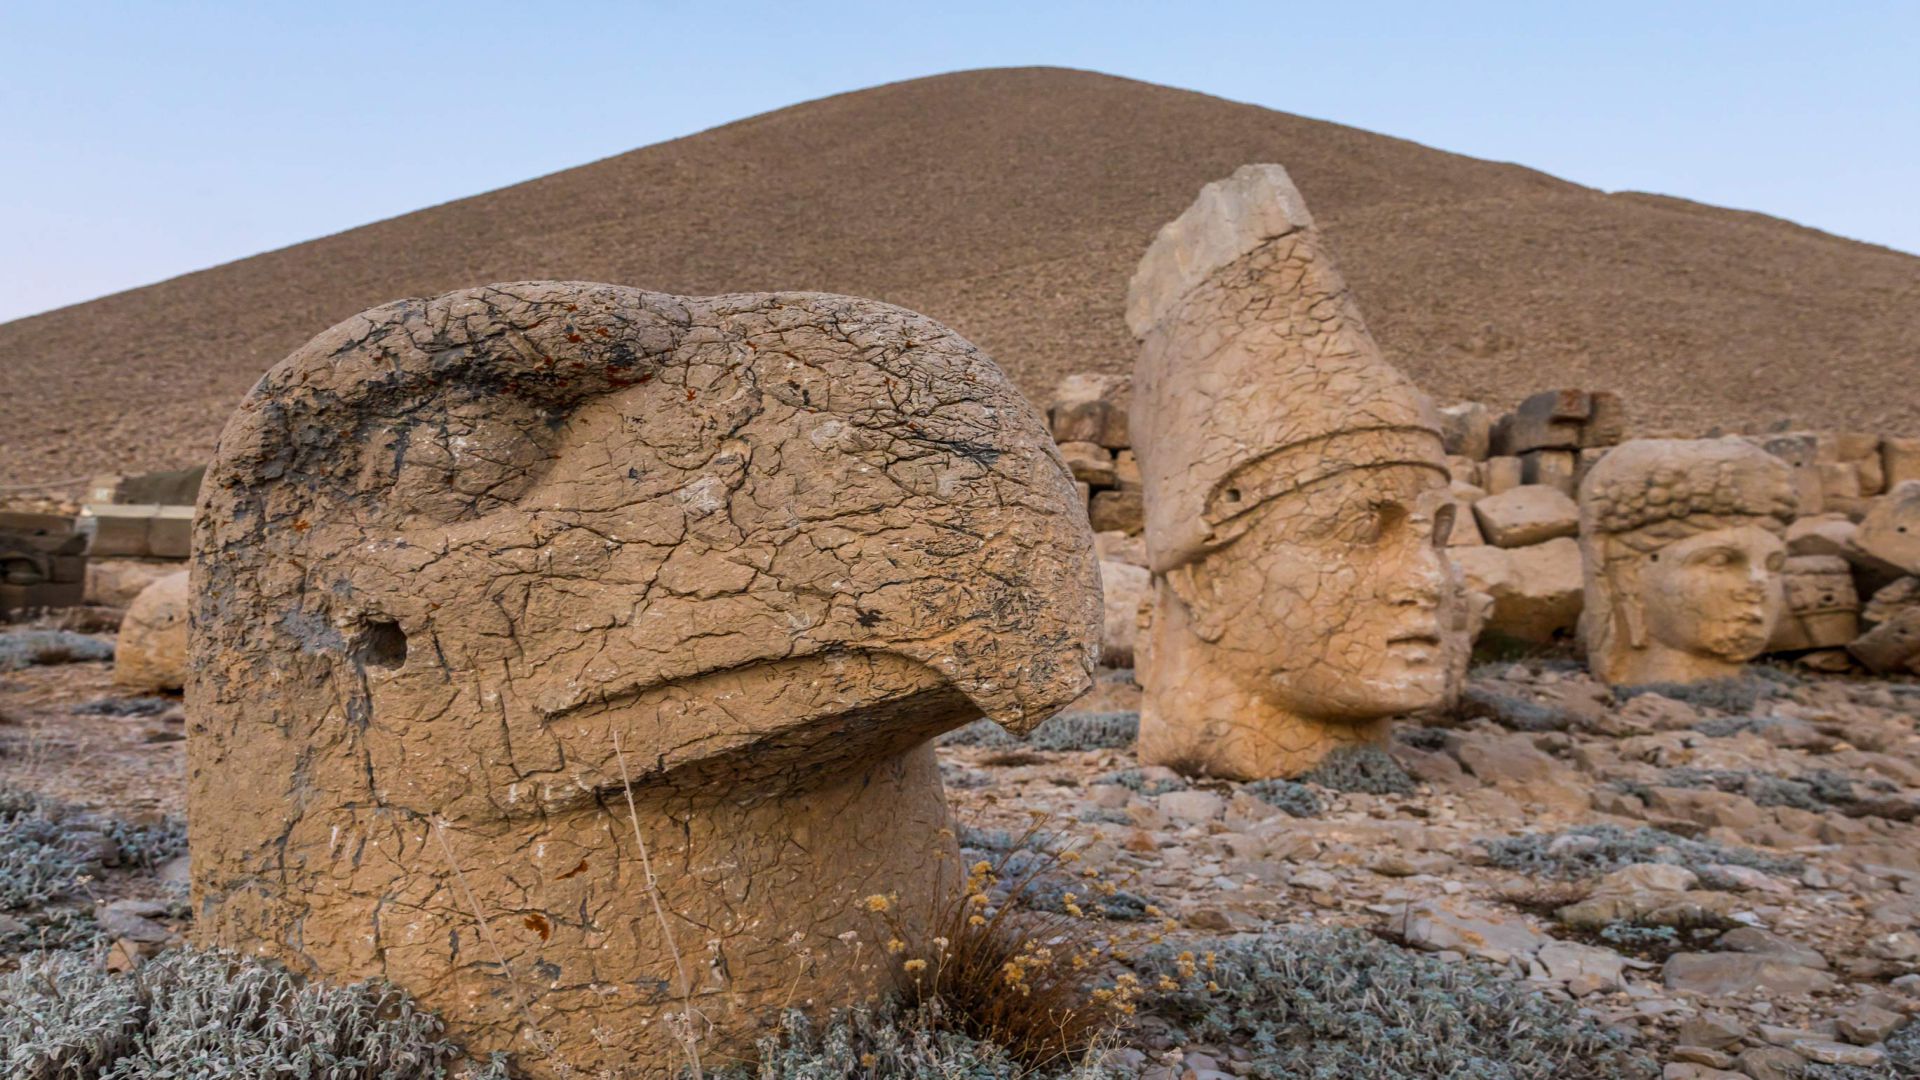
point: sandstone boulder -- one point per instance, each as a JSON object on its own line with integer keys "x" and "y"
{"x": 1126, "y": 589}
{"x": 1890, "y": 531}
{"x": 151, "y": 653}
{"x": 1528, "y": 514}
{"x": 1536, "y": 590}
{"x": 1091, "y": 408}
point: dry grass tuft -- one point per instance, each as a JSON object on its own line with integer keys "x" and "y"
{"x": 1038, "y": 983}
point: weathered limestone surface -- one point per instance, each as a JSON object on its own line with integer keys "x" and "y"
{"x": 1535, "y": 592}
{"x": 1682, "y": 547}
{"x": 151, "y": 651}
{"x": 1528, "y": 514}
{"x": 1823, "y": 608}
{"x": 1297, "y": 496}
{"x": 1890, "y": 532}
{"x": 465, "y": 565}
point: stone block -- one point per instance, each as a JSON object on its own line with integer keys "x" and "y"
{"x": 1501, "y": 473}
{"x": 1889, "y": 533}
{"x": 1124, "y": 588}
{"x": 1856, "y": 445}
{"x": 1823, "y": 610}
{"x": 1118, "y": 546}
{"x": 171, "y": 487}
{"x": 1126, "y": 471}
{"x": 1546, "y": 421}
{"x": 118, "y": 531}
{"x": 170, "y": 535}
{"x": 68, "y": 569}
{"x": 1091, "y": 463}
{"x": 1552, "y": 468}
{"x": 1463, "y": 470}
{"x": 1536, "y": 590}
{"x": 1802, "y": 449}
{"x": 1466, "y": 430}
{"x": 1823, "y": 534}
{"x": 1117, "y": 511}
{"x": 1893, "y": 645}
{"x": 1528, "y": 514}
{"x": 1809, "y": 490}
{"x": 115, "y": 582}
{"x": 1606, "y": 421}
{"x": 1091, "y": 408}
{"x": 1899, "y": 460}
{"x": 46, "y": 594}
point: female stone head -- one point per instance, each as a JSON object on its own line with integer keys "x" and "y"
{"x": 1681, "y": 541}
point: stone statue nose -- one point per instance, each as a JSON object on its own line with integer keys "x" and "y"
{"x": 1423, "y": 582}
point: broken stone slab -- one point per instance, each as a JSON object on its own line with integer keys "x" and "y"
{"x": 1453, "y": 924}
{"x": 115, "y": 582}
{"x": 1864, "y": 1024}
{"x": 1550, "y": 420}
{"x": 1528, "y": 514}
{"x": 1091, "y": 408}
{"x": 1822, "y": 609}
{"x": 1563, "y": 961}
{"x": 1117, "y": 511}
{"x": 1889, "y": 534}
{"x": 1827, "y": 1052}
{"x": 1899, "y": 460}
{"x": 1729, "y": 974}
{"x": 1752, "y": 939}
{"x": 1891, "y": 646}
{"x": 1801, "y": 449}
{"x": 1466, "y": 429}
{"x": 1125, "y": 589}
{"x": 1090, "y": 463}
{"x": 1821, "y": 534}
{"x": 1550, "y": 468}
{"x": 1501, "y": 473}
{"x": 1536, "y": 590}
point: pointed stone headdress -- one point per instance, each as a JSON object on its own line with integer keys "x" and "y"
{"x": 1256, "y": 375}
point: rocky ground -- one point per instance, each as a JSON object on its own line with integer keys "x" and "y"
{"x": 1728, "y": 874}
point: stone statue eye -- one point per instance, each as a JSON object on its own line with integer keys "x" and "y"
{"x": 1776, "y": 562}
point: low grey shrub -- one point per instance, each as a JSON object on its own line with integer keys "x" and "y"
{"x": 1513, "y": 713}
{"x": 1062, "y": 732}
{"x": 47, "y": 846}
{"x": 203, "y": 1014}
{"x": 1297, "y": 799}
{"x": 1315, "y": 1003}
{"x": 1135, "y": 780}
{"x": 1363, "y": 769}
{"x": 1736, "y": 696}
{"x": 27, "y": 648}
{"x": 1815, "y": 790}
{"x": 892, "y": 1042}
{"x": 1592, "y": 850}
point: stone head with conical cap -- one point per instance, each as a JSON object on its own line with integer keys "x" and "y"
{"x": 1296, "y": 496}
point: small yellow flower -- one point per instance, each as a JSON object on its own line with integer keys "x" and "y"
{"x": 896, "y": 946}
{"x": 868, "y": 1061}
{"x": 1167, "y": 983}
{"x": 983, "y": 868}
{"x": 978, "y": 899}
{"x": 915, "y": 965}
{"x": 1212, "y": 987}
{"x": 977, "y": 920}
{"x": 876, "y": 902}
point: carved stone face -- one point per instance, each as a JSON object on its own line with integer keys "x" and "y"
{"x": 494, "y": 589}
{"x": 1716, "y": 595}
{"x": 1680, "y": 545}
{"x": 1332, "y": 603}
{"x": 1296, "y": 498}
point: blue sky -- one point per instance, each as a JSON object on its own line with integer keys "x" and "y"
{"x": 141, "y": 141}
